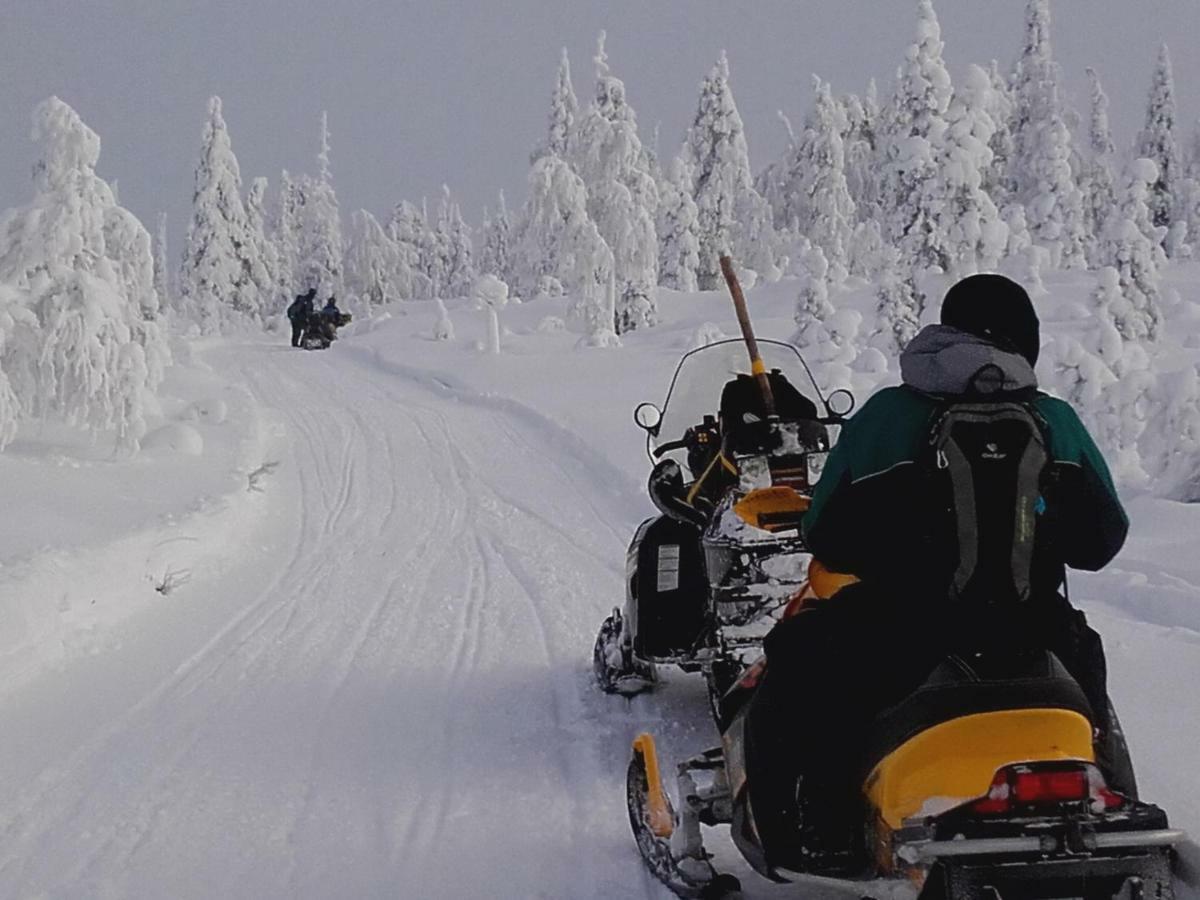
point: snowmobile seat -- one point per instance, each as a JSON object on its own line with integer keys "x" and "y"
{"x": 961, "y": 686}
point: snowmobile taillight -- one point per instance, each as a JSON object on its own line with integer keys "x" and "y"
{"x": 1039, "y": 788}
{"x": 1040, "y": 785}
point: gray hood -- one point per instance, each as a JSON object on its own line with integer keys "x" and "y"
{"x": 945, "y": 360}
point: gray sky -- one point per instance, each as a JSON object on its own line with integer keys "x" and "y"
{"x": 445, "y": 91}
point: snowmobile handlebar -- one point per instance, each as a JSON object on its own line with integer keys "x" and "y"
{"x": 680, "y": 444}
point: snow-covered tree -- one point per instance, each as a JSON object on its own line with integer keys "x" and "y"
{"x": 1040, "y": 167}
{"x": 554, "y": 217}
{"x": 376, "y": 272}
{"x": 829, "y": 221}
{"x": 76, "y": 294}
{"x": 263, "y": 258}
{"x": 491, "y": 295}
{"x": 622, "y": 198}
{"x": 216, "y": 289}
{"x": 1157, "y": 142}
{"x": 1096, "y": 179}
{"x": 443, "y": 328}
{"x": 321, "y": 247}
{"x": 678, "y": 246}
{"x": 453, "y": 239}
{"x": 497, "y": 236}
{"x": 897, "y": 307}
{"x": 812, "y": 303}
{"x": 861, "y": 150}
{"x": 731, "y": 215}
{"x": 1000, "y": 108}
{"x": 915, "y": 121}
{"x": 162, "y": 268}
{"x": 409, "y": 228}
{"x": 564, "y": 109}
{"x": 285, "y": 236}
{"x": 1132, "y": 245}
{"x": 967, "y": 229}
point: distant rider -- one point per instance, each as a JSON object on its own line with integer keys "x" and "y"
{"x": 300, "y": 311}
{"x": 836, "y": 665}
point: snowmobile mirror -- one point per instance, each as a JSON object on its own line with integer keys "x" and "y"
{"x": 648, "y": 417}
{"x": 840, "y": 403}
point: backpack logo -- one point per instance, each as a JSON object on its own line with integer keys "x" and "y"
{"x": 992, "y": 451}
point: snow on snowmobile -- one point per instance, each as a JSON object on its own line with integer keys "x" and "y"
{"x": 983, "y": 783}
{"x": 708, "y": 577}
{"x": 320, "y": 330}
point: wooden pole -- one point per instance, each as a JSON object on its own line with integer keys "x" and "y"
{"x": 757, "y": 368}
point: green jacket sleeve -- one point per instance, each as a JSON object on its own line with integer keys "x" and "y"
{"x": 1092, "y": 524}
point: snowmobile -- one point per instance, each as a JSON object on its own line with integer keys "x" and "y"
{"x": 321, "y": 329}
{"x": 708, "y": 577}
{"x": 980, "y": 784}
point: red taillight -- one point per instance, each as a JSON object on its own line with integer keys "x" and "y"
{"x": 1037, "y": 788}
{"x": 1041, "y": 785}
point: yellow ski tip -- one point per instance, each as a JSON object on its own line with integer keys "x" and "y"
{"x": 659, "y": 817}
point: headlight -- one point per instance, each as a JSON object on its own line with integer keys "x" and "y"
{"x": 815, "y": 464}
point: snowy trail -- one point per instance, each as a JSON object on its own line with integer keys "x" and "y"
{"x": 388, "y": 693}
{"x": 403, "y": 709}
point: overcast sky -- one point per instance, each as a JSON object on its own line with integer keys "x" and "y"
{"x": 445, "y": 91}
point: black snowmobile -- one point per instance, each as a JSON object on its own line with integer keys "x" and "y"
{"x": 981, "y": 785}
{"x": 320, "y": 330}
{"x": 708, "y": 577}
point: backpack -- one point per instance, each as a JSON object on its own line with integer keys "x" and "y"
{"x": 990, "y": 460}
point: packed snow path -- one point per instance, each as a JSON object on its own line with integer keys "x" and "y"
{"x": 388, "y": 692}
{"x": 396, "y": 705}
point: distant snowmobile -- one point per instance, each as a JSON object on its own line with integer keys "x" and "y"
{"x": 981, "y": 785}
{"x": 320, "y": 329}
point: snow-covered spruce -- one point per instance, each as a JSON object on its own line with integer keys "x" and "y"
{"x": 76, "y": 295}
{"x": 1133, "y": 246}
{"x": 285, "y": 236}
{"x": 622, "y": 197}
{"x": 1040, "y": 167}
{"x": 555, "y": 223}
{"x": 263, "y": 256}
{"x": 732, "y": 217}
{"x": 216, "y": 290}
{"x": 321, "y": 247}
{"x": 410, "y": 230}
{"x": 454, "y": 241}
{"x": 564, "y": 108}
{"x": 1157, "y": 142}
{"x": 897, "y": 307}
{"x": 495, "y": 256}
{"x": 1096, "y": 179}
{"x": 162, "y": 266}
{"x": 678, "y": 245}
{"x": 376, "y": 271}
{"x": 967, "y": 229}
{"x": 915, "y": 120}
{"x": 828, "y": 219}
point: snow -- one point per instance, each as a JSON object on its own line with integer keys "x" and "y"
{"x": 344, "y": 649}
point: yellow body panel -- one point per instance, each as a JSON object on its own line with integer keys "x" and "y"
{"x": 957, "y": 760}
{"x": 825, "y": 582}
{"x": 661, "y": 822}
{"x": 769, "y": 502}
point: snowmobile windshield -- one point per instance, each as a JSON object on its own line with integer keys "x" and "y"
{"x": 702, "y": 374}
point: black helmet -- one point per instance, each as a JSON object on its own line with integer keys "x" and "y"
{"x": 995, "y": 308}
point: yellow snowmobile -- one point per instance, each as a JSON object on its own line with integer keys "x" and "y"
{"x": 981, "y": 785}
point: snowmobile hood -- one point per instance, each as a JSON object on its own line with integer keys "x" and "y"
{"x": 946, "y": 360}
